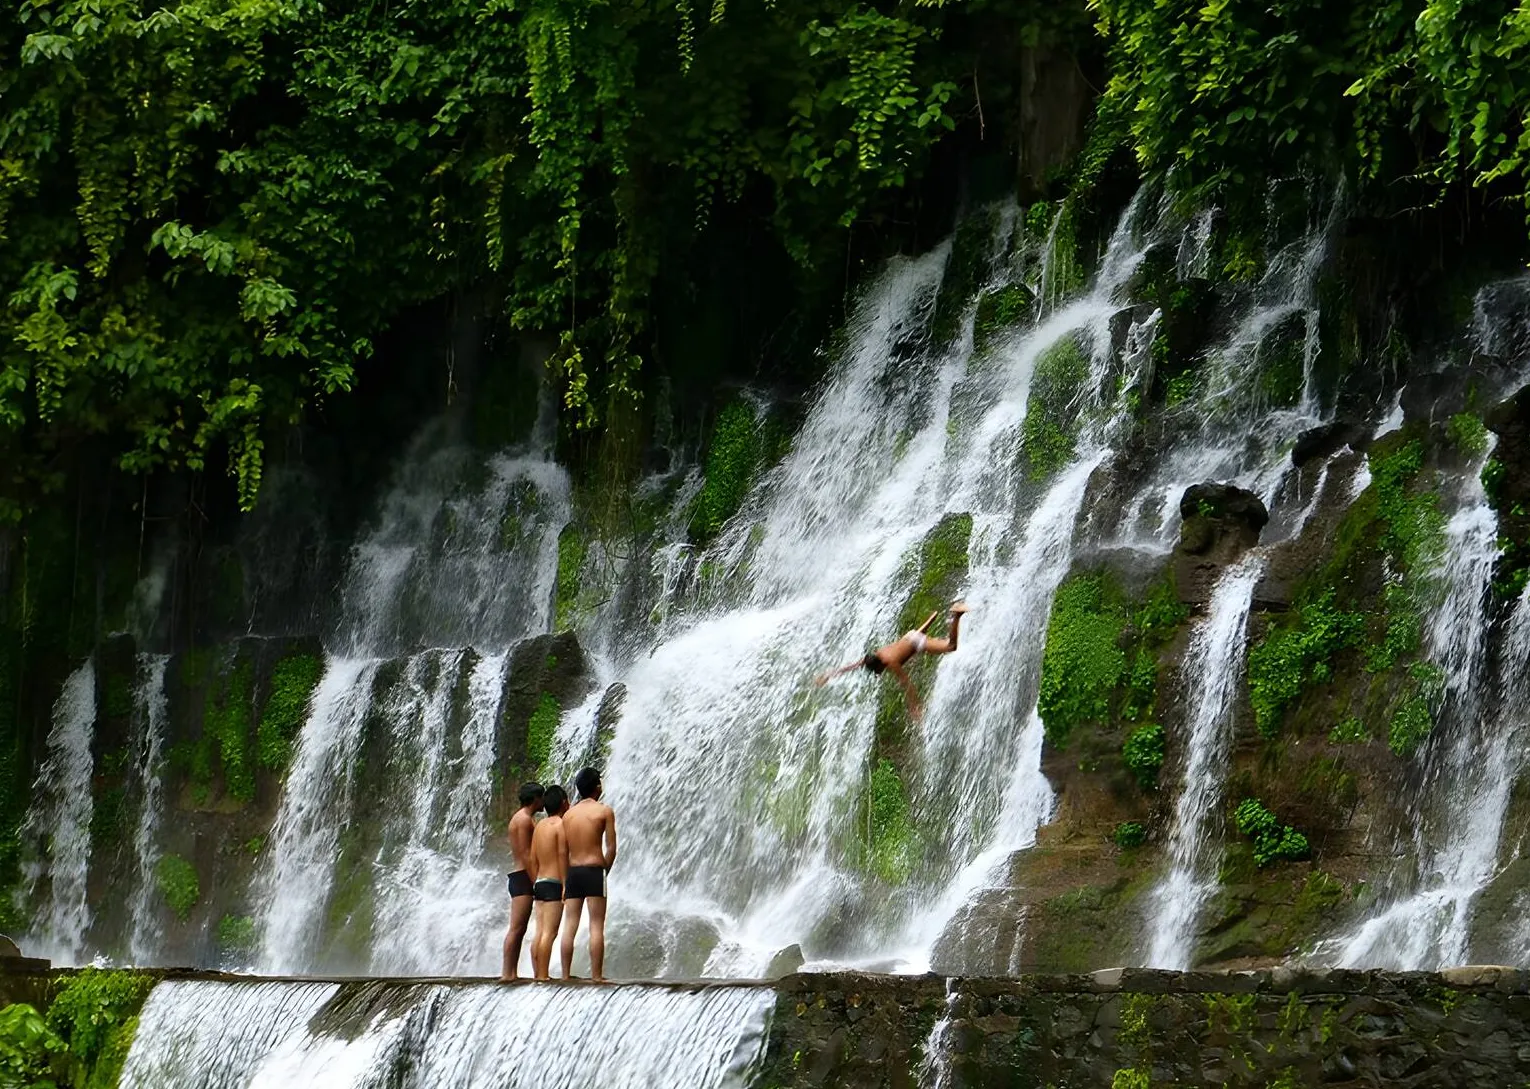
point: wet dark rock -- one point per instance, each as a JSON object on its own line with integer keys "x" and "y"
{"x": 1220, "y": 523}
{"x": 785, "y": 962}
{"x": 553, "y": 665}
{"x": 1328, "y": 439}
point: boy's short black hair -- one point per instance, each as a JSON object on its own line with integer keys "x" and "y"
{"x": 554, "y": 799}
{"x": 531, "y": 793}
{"x": 873, "y": 663}
{"x": 587, "y": 783}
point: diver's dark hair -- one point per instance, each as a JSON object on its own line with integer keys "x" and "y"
{"x": 873, "y": 663}
{"x": 554, "y": 800}
{"x": 531, "y": 793}
{"x": 587, "y": 783}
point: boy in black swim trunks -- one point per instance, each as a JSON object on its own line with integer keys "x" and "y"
{"x": 590, "y": 831}
{"x": 549, "y": 871}
{"x": 521, "y": 827}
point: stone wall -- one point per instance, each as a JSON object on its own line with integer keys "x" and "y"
{"x": 1467, "y": 1028}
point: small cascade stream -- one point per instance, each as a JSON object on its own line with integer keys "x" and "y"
{"x": 1471, "y": 771}
{"x": 150, "y": 710}
{"x": 293, "y": 1035}
{"x": 1213, "y": 671}
{"x": 56, "y": 834}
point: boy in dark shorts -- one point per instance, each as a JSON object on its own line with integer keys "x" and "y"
{"x": 549, "y": 872}
{"x": 521, "y": 827}
{"x": 590, "y": 831}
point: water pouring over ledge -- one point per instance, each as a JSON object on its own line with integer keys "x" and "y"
{"x": 313, "y": 1035}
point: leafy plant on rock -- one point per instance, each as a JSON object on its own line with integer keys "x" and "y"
{"x": 1272, "y": 840}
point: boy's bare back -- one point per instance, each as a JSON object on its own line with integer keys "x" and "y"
{"x": 590, "y": 831}
{"x": 549, "y": 850}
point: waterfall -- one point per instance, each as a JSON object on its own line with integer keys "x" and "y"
{"x": 721, "y": 710}
{"x": 1474, "y": 761}
{"x": 1213, "y": 671}
{"x": 57, "y": 826}
{"x": 432, "y": 911}
{"x": 462, "y": 561}
{"x": 433, "y": 1036}
{"x": 150, "y": 714}
{"x": 293, "y": 886}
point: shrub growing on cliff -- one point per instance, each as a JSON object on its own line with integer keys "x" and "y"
{"x": 96, "y": 1017}
{"x": 1290, "y": 657}
{"x": 1410, "y": 727}
{"x": 27, "y": 1047}
{"x": 1129, "y": 834}
{"x": 1143, "y": 754}
{"x": 1272, "y": 840}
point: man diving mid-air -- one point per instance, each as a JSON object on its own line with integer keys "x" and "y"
{"x": 894, "y": 656}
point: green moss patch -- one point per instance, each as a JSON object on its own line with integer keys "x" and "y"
{"x": 1083, "y": 662}
{"x": 228, "y": 723}
{"x": 1049, "y": 434}
{"x": 941, "y": 567}
{"x": 292, "y": 685}
{"x": 571, "y": 555}
{"x": 541, "y": 730}
{"x": 998, "y": 311}
{"x": 744, "y": 443}
{"x": 890, "y": 847}
{"x": 236, "y": 934}
{"x": 178, "y": 884}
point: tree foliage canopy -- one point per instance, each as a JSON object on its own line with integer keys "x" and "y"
{"x": 210, "y": 208}
{"x": 1219, "y": 95}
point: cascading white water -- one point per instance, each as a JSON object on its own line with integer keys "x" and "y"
{"x": 450, "y": 566}
{"x": 150, "y": 715}
{"x": 1213, "y": 672}
{"x": 1474, "y": 769}
{"x": 899, "y": 437}
{"x": 432, "y": 907}
{"x": 57, "y": 827}
{"x": 294, "y": 884}
{"x": 423, "y": 1036}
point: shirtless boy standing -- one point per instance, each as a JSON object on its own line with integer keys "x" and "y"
{"x": 521, "y": 827}
{"x": 590, "y": 829}
{"x": 549, "y": 870}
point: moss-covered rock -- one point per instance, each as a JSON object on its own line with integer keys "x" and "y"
{"x": 288, "y": 696}
{"x": 1049, "y": 434}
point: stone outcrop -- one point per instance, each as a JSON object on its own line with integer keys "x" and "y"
{"x": 1220, "y": 522}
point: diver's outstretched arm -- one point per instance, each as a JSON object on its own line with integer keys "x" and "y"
{"x": 915, "y": 711}
{"x": 823, "y": 678}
